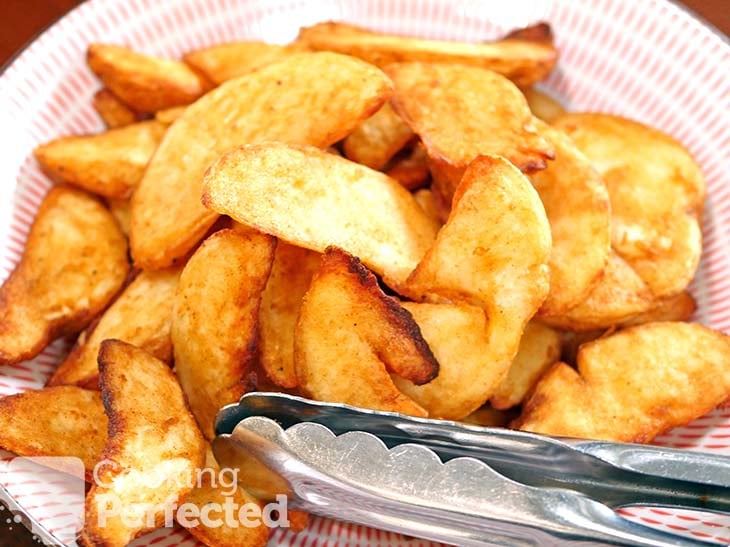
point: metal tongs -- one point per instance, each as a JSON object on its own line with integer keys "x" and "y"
{"x": 459, "y": 484}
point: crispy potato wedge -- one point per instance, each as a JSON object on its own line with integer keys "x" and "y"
{"x": 224, "y": 62}
{"x": 314, "y": 199}
{"x": 310, "y": 98}
{"x": 492, "y": 252}
{"x": 488, "y": 416}
{"x": 571, "y": 342}
{"x": 457, "y": 335}
{"x": 63, "y": 421}
{"x": 425, "y": 198}
{"x": 141, "y": 316}
{"x": 291, "y": 275}
{"x": 539, "y": 348}
{"x": 674, "y": 308}
{"x": 577, "y": 207}
{"x": 633, "y": 385}
{"x": 120, "y": 210}
{"x": 461, "y": 112}
{"x": 376, "y": 140}
{"x": 619, "y": 295}
{"x": 542, "y": 105}
{"x": 215, "y": 320}
{"x": 411, "y": 170}
{"x": 350, "y": 335}
{"x": 154, "y": 445}
{"x": 144, "y": 83}
{"x": 523, "y": 61}
{"x": 656, "y": 191}
{"x": 169, "y": 115}
{"x": 113, "y": 111}
{"x": 109, "y": 164}
{"x": 75, "y": 261}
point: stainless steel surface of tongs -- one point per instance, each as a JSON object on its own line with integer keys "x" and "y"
{"x": 459, "y": 484}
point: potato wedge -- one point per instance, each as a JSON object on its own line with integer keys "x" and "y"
{"x": 310, "y": 98}
{"x": 141, "y": 316}
{"x": 154, "y": 446}
{"x": 75, "y": 261}
{"x": 376, "y": 140}
{"x": 539, "y": 349}
{"x": 619, "y": 295}
{"x": 215, "y": 320}
{"x": 169, "y": 115}
{"x": 542, "y": 105}
{"x": 120, "y": 210}
{"x": 63, "y": 421}
{"x": 144, "y": 83}
{"x": 314, "y": 199}
{"x": 577, "y": 207}
{"x": 411, "y": 170}
{"x": 488, "y": 416}
{"x": 224, "y": 62}
{"x": 457, "y": 335}
{"x": 674, "y": 308}
{"x": 656, "y": 190}
{"x": 633, "y": 385}
{"x": 523, "y": 61}
{"x": 461, "y": 112}
{"x": 492, "y": 252}
{"x": 113, "y": 111}
{"x": 109, "y": 164}
{"x": 571, "y": 342}
{"x": 291, "y": 275}
{"x": 350, "y": 335}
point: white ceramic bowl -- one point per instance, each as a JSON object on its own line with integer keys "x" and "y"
{"x": 645, "y": 59}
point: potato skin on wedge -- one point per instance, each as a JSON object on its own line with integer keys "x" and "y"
{"x": 314, "y": 199}
{"x": 63, "y": 421}
{"x": 350, "y": 335}
{"x": 308, "y": 99}
{"x": 153, "y": 440}
{"x": 633, "y": 385}
{"x": 215, "y": 320}
{"x": 113, "y": 111}
{"x": 75, "y": 261}
{"x": 141, "y": 316}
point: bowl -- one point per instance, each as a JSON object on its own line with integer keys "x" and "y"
{"x": 645, "y": 59}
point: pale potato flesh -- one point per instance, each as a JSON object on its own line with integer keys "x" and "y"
{"x": 74, "y": 263}
{"x": 215, "y": 320}
{"x": 376, "y": 140}
{"x": 309, "y": 99}
{"x": 291, "y": 275}
{"x": 154, "y": 445}
{"x": 350, "y": 335}
{"x": 314, "y": 199}
{"x": 524, "y": 61}
{"x": 656, "y": 191}
{"x": 633, "y": 385}
{"x": 141, "y": 316}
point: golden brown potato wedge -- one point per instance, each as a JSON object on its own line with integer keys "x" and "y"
{"x": 169, "y": 115}
{"x": 141, "y": 316}
{"x": 144, "y": 83}
{"x": 619, "y": 295}
{"x": 154, "y": 446}
{"x": 109, "y": 164}
{"x": 63, "y": 421}
{"x": 350, "y": 335}
{"x": 120, "y": 210}
{"x": 75, "y": 261}
{"x": 224, "y": 62}
{"x": 571, "y": 342}
{"x": 461, "y": 112}
{"x": 674, "y": 308}
{"x": 113, "y": 111}
{"x": 427, "y": 201}
{"x": 523, "y": 61}
{"x": 310, "y": 98}
{"x": 577, "y": 207}
{"x": 411, "y": 170}
{"x": 542, "y": 105}
{"x": 376, "y": 140}
{"x": 539, "y": 348}
{"x": 488, "y": 416}
{"x": 291, "y": 275}
{"x": 656, "y": 191}
{"x": 215, "y": 320}
{"x": 314, "y": 199}
{"x": 633, "y": 385}
{"x": 492, "y": 252}
{"x": 457, "y": 335}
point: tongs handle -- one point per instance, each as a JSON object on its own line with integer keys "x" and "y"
{"x": 407, "y": 489}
